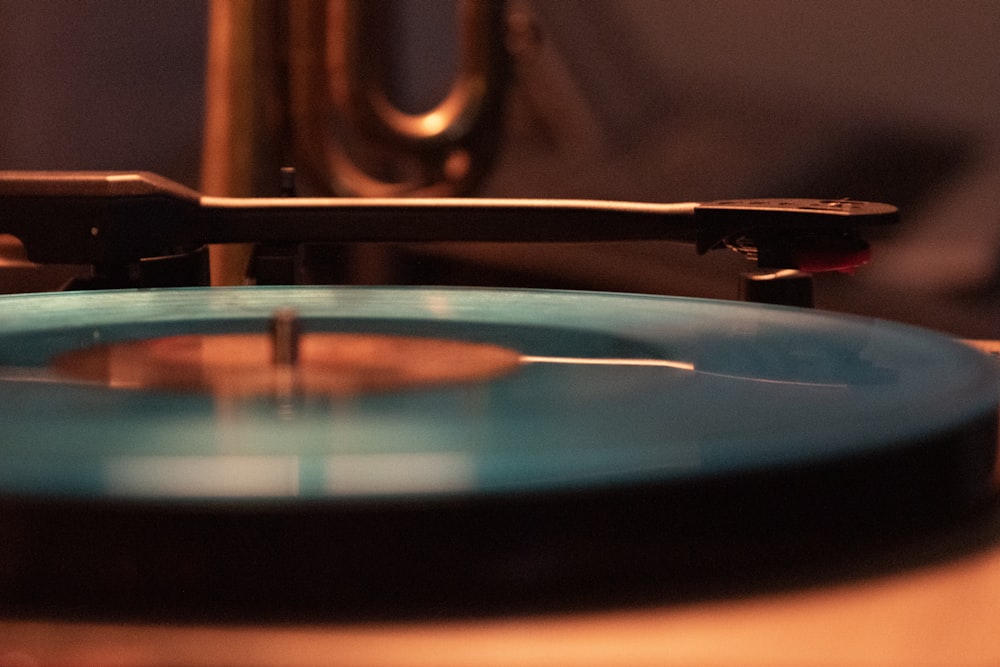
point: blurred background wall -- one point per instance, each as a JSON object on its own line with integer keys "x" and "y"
{"x": 662, "y": 100}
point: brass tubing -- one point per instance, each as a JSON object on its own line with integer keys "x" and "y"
{"x": 355, "y": 140}
{"x": 303, "y": 83}
{"x": 244, "y": 97}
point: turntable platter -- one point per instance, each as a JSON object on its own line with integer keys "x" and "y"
{"x": 715, "y": 421}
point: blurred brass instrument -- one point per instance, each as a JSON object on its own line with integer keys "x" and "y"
{"x": 308, "y": 84}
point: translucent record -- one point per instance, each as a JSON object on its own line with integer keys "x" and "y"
{"x": 609, "y": 390}
{"x": 614, "y": 425}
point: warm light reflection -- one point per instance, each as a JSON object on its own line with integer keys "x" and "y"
{"x": 221, "y": 476}
{"x": 434, "y": 123}
{"x": 203, "y": 476}
{"x": 411, "y": 472}
{"x": 439, "y": 305}
{"x": 585, "y": 361}
{"x": 678, "y": 365}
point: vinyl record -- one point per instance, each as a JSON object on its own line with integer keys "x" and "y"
{"x": 441, "y": 447}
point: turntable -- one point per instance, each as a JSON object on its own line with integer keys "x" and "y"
{"x": 414, "y": 475}
{"x": 294, "y": 471}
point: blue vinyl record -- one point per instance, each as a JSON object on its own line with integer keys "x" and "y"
{"x": 624, "y": 418}
{"x": 612, "y": 389}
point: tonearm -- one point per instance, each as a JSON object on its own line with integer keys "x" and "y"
{"x": 112, "y": 220}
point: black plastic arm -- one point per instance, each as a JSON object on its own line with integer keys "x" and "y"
{"x": 104, "y": 218}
